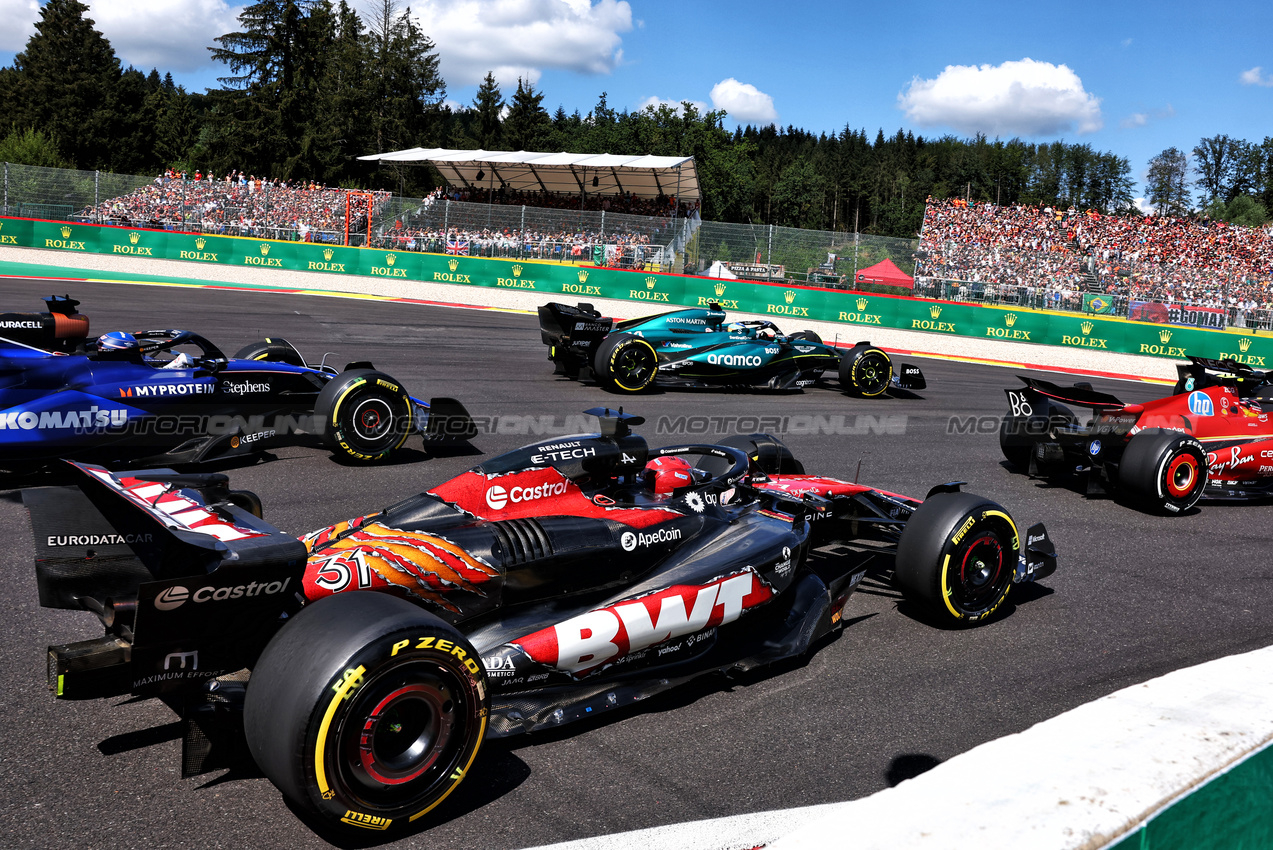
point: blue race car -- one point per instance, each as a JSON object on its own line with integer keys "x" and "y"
{"x": 171, "y": 396}
{"x": 697, "y": 348}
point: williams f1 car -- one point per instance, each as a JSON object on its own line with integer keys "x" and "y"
{"x": 551, "y": 583}
{"x": 697, "y": 348}
{"x": 1212, "y": 439}
{"x": 172, "y": 397}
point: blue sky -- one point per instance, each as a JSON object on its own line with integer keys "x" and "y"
{"x": 1130, "y": 78}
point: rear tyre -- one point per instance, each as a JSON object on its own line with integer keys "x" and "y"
{"x": 865, "y": 371}
{"x": 1164, "y": 471}
{"x": 957, "y": 557}
{"x": 366, "y": 415}
{"x": 366, "y": 710}
{"x": 272, "y": 350}
{"x": 625, "y": 363}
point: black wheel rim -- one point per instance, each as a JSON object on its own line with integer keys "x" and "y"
{"x": 873, "y": 373}
{"x": 404, "y": 733}
{"x": 634, "y": 366}
{"x": 979, "y": 572}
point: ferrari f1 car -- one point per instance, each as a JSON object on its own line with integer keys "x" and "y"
{"x": 1211, "y": 439}
{"x": 551, "y": 583}
{"x": 696, "y": 348}
{"x": 171, "y": 396}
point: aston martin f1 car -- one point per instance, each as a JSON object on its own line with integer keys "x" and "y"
{"x": 171, "y": 396}
{"x": 552, "y": 583}
{"x": 1211, "y": 439}
{"x": 697, "y": 348}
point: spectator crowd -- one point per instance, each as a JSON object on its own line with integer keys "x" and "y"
{"x": 1054, "y": 256}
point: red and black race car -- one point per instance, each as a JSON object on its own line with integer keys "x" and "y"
{"x": 549, "y": 584}
{"x": 1212, "y": 438}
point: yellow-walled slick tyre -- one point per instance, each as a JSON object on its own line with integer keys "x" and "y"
{"x": 625, "y": 363}
{"x": 957, "y": 557}
{"x": 865, "y": 371}
{"x": 366, "y": 415}
{"x": 366, "y": 710}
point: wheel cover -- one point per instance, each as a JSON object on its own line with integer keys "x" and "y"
{"x": 633, "y": 366}
{"x": 981, "y": 572}
{"x": 872, "y": 373}
{"x": 1181, "y": 476}
{"x": 400, "y": 736}
{"x": 372, "y": 419}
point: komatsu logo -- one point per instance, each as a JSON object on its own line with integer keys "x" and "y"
{"x": 498, "y": 497}
{"x": 94, "y": 417}
{"x": 589, "y": 641}
{"x": 733, "y": 359}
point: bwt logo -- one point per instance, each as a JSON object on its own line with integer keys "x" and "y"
{"x": 498, "y": 498}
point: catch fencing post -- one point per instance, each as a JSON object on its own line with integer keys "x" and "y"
{"x": 97, "y": 177}
{"x": 521, "y": 240}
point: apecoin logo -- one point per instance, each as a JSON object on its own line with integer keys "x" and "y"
{"x": 628, "y": 541}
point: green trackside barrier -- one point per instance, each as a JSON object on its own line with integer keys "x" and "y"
{"x": 1231, "y": 810}
{"x": 786, "y": 304}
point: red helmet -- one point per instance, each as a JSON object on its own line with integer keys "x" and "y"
{"x": 665, "y": 474}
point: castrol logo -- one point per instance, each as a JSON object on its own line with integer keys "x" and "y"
{"x": 499, "y": 497}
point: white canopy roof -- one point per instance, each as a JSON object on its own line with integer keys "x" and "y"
{"x": 568, "y": 173}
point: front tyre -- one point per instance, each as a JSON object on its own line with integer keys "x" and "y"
{"x": 625, "y": 363}
{"x": 957, "y": 557}
{"x": 865, "y": 371}
{"x": 366, "y": 415}
{"x": 1164, "y": 471}
{"x": 366, "y": 710}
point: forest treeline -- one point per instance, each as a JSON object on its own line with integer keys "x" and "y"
{"x": 310, "y": 85}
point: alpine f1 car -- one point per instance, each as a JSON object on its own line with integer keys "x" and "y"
{"x": 548, "y": 584}
{"x": 1211, "y": 439}
{"x": 171, "y": 396}
{"x": 696, "y": 348}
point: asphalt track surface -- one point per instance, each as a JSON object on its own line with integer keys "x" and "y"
{"x": 1135, "y": 597}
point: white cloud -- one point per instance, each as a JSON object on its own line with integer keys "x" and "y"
{"x": 516, "y": 38}
{"x": 656, "y": 102}
{"x": 1140, "y": 119}
{"x": 1256, "y": 77}
{"x": 171, "y": 35}
{"x": 21, "y": 16}
{"x": 1023, "y": 97}
{"x": 744, "y": 102}
{"x": 1143, "y": 205}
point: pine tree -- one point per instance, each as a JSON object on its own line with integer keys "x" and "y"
{"x": 64, "y": 79}
{"x": 527, "y": 125}
{"x": 489, "y": 104}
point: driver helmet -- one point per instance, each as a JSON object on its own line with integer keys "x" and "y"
{"x": 736, "y": 327}
{"x": 665, "y": 474}
{"x": 767, "y": 333}
{"x": 117, "y": 344}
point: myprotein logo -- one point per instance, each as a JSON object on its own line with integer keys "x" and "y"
{"x": 630, "y": 540}
{"x": 733, "y": 360}
{"x": 164, "y": 390}
{"x": 498, "y": 497}
{"x": 171, "y": 598}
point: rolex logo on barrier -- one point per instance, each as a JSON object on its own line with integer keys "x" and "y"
{"x": 789, "y": 296}
{"x": 132, "y": 247}
{"x": 517, "y": 270}
{"x": 650, "y": 282}
{"x": 7, "y": 240}
{"x": 66, "y": 232}
{"x": 719, "y": 289}
{"x": 453, "y": 264}
{"x": 200, "y": 242}
{"x": 391, "y": 258}
{"x": 516, "y": 281}
{"x": 1087, "y": 327}
{"x": 1009, "y": 319}
{"x": 787, "y": 309}
{"x": 265, "y": 260}
{"x": 133, "y": 237}
{"x": 326, "y": 265}
{"x": 265, "y": 249}
{"x": 648, "y": 294}
{"x": 327, "y": 254}
{"x": 862, "y": 302}
{"x": 64, "y": 242}
{"x": 1165, "y": 350}
{"x": 387, "y": 270}
{"x": 1244, "y": 344}
{"x": 935, "y": 312}
{"x": 1164, "y": 337}
{"x": 583, "y": 277}
{"x": 949, "y": 327}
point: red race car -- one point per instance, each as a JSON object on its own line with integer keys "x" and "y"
{"x": 1212, "y": 438}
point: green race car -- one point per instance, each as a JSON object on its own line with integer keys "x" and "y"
{"x": 696, "y": 348}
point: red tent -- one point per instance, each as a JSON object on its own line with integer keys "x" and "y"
{"x": 886, "y": 273}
